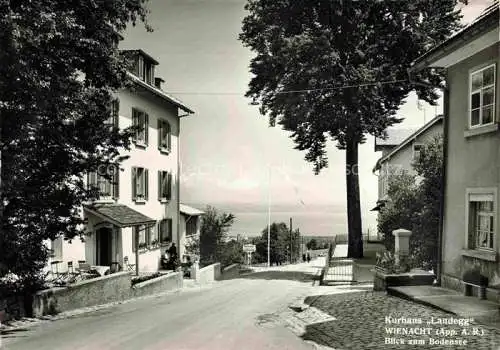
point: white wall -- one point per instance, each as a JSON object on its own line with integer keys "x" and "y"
{"x": 152, "y": 159}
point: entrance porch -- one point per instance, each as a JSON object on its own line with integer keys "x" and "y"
{"x": 111, "y": 239}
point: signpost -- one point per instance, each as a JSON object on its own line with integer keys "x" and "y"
{"x": 249, "y": 249}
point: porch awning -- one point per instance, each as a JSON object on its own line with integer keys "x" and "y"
{"x": 119, "y": 215}
{"x": 187, "y": 210}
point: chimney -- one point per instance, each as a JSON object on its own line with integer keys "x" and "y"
{"x": 158, "y": 82}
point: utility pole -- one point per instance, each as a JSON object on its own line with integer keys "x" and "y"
{"x": 269, "y": 221}
{"x": 291, "y": 241}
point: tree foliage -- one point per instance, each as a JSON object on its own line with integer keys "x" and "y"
{"x": 338, "y": 70}
{"x": 232, "y": 253}
{"x": 280, "y": 243}
{"x": 213, "y": 235}
{"x": 60, "y": 66}
{"x": 414, "y": 204}
{"x": 312, "y": 244}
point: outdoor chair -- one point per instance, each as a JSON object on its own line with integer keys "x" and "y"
{"x": 70, "y": 267}
{"x": 54, "y": 276}
{"x": 67, "y": 277}
{"x": 84, "y": 270}
{"x": 129, "y": 267}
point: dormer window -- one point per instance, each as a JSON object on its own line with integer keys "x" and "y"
{"x": 142, "y": 66}
{"x": 145, "y": 69}
{"x": 148, "y": 73}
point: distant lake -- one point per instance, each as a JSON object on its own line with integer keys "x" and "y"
{"x": 317, "y": 220}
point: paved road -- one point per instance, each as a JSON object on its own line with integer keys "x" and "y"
{"x": 224, "y": 316}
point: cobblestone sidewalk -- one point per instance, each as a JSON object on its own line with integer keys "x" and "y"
{"x": 374, "y": 320}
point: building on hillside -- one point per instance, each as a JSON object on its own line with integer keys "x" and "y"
{"x": 190, "y": 231}
{"x": 398, "y": 157}
{"x": 469, "y": 231}
{"x": 137, "y": 213}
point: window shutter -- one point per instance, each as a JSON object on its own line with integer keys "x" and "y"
{"x": 134, "y": 183}
{"x": 147, "y": 235}
{"x": 169, "y": 139}
{"x": 134, "y": 232}
{"x": 159, "y": 185}
{"x": 146, "y": 128}
{"x": 158, "y": 231}
{"x": 170, "y": 234}
{"x": 140, "y": 68}
{"x": 116, "y": 184}
{"x": 146, "y": 184}
{"x": 135, "y": 123}
{"x": 169, "y": 185}
{"x": 159, "y": 133}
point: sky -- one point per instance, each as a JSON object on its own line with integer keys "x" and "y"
{"x": 230, "y": 157}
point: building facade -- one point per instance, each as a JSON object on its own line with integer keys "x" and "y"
{"x": 137, "y": 215}
{"x": 190, "y": 224}
{"x": 469, "y": 231}
{"x": 399, "y": 150}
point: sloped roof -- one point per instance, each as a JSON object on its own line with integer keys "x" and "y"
{"x": 119, "y": 214}
{"x": 143, "y": 53}
{"x": 409, "y": 139}
{"x": 186, "y": 209}
{"x": 394, "y": 136}
{"x": 160, "y": 93}
{"x": 488, "y": 18}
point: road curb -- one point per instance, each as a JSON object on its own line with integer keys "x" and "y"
{"x": 30, "y": 322}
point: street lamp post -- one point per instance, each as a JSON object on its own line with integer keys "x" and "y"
{"x": 269, "y": 221}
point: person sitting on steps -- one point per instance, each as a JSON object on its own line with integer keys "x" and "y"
{"x": 172, "y": 262}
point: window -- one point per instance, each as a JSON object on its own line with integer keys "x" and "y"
{"x": 165, "y": 230}
{"x": 115, "y": 112}
{"x": 482, "y": 97}
{"x": 106, "y": 182}
{"x": 153, "y": 237}
{"x": 481, "y": 235}
{"x": 56, "y": 247}
{"x": 140, "y": 67}
{"x": 417, "y": 148}
{"x": 144, "y": 233}
{"x": 139, "y": 184}
{"x": 164, "y": 185}
{"x": 191, "y": 225}
{"x": 164, "y": 133}
{"x": 148, "y": 73}
{"x": 140, "y": 121}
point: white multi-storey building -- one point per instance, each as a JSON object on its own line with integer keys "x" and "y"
{"x": 138, "y": 214}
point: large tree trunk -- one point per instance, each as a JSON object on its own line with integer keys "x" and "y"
{"x": 355, "y": 249}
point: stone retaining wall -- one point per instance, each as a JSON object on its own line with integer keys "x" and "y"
{"x": 12, "y": 308}
{"x": 101, "y": 290}
{"x": 231, "y": 271}
{"x": 96, "y": 291}
{"x": 381, "y": 280}
{"x": 209, "y": 274}
{"x": 171, "y": 281}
